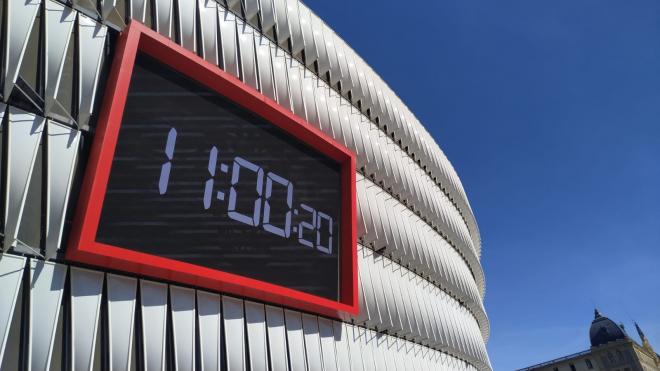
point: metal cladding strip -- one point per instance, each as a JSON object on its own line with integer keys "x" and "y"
{"x": 24, "y": 135}
{"x": 153, "y": 301}
{"x": 46, "y": 289}
{"x": 11, "y": 277}
{"x": 182, "y": 307}
{"x": 86, "y": 288}
{"x": 255, "y": 317}
{"x": 431, "y": 308}
{"x": 91, "y": 42}
{"x": 209, "y": 320}
{"x": 328, "y": 341}
{"x": 62, "y": 153}
{"x": 277, "y": 343}
{"x": 121, "y": 297}
{"x": 295, "y": 340}
{"x": 186, "y": 25}
{"x": 312, "y": 342}
{"x": 443, "y": 265}
{"x": 59, "y": 21}
{"x": 20, "y": 19}
{"x": 234, "y": 329}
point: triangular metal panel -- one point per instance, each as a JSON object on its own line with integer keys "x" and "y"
{"x": 234, "y": 327}
{"x": 59, "y": 22}
{"x": 86, "y": 288}
{"x": 46, "y": 289}
{"x": 153, "y": 297}
{"x": 11, "y": 274}
{"x": 183, "y": 326}
{"x": 210, "y": 330}
{"x": 24, "y": 134}
{"x": 91, "y": 42}
{"x": 255, "y": 318}
{"x": 62, "y": 147}
{"x": 121, "y": 292}
{"x": 20, "y": 19}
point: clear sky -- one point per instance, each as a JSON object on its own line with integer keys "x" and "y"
{"x": 550, "y": 113}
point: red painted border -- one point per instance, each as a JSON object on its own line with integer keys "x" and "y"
{"x": 82, "y": 245}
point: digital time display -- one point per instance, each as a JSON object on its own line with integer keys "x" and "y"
{"x": 199, "y": 179}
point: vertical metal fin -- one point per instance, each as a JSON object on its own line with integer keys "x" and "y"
{"x": 312, "y": 342}
{"x": 91, "y": 42}
{"x": 46, "y": 288}
{"x": 62, "y": 147}
{"x": 187, "y": 24}
{"x": 208, "y": 24}
{"x": 234, "y": 326}
{"x": 296, "y": 342}
{"x": 228, "y": 39}
{"x": 183, "y": 326}
{"x": 24, "y": 134}
{"x": 121, "y": 293}
{"x": 210, "y": 330}
{"x": 164, "y": 17}
{"x": 154, "y": 321}
{"x": 138, "y": 10}
{"x": 59, "y": 22}
{"x": 20, "y": 19}
{"x": 11, "y": 274}
{"x": 86, "y": 287}
{"x": 255, "y": 317}
{"x": 276, "y": 338}
{"x": 327, "y": 337}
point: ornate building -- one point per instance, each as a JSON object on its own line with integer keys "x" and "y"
{"x": 612, "y": 349}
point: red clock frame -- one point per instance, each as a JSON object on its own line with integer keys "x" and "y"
{"x": 83, "y": 246}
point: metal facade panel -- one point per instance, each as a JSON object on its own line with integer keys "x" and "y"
{"x": 210, "y": 330}
{"x": 228, "y": 40}
{"x": 121, "y": 296}
{"x": 295, "y": 87}
{"x": 341, "y": 344}
{"x": 278, "y": 56}
{"x": 247, "y": 58}
{"x": 295, "y": 340}
{"x": 164, "y": 13}
{"x": 187, "y": 24}
{"x": 86, "y": 288}
{"x": 255, "y": 317}
{"x": 59, "y": 21}
{"x": 234, "y": 328}
{"x": 23, "y": 138}
{"x": 265, "y": 67}
{"x": 153, "y": 300}
{"x": 208, "y": 30}
{"x": 277, "y": 343}
{"x": 295, "y": 32}
{"x": 183, "y": 314}
{"x": 11, "y": 278}
{"x": 328, "y": 339}
{"x": 61, "y": 160}
{"x": 20, "y": 18}
{"x": 267, "y": 14}
{"x": 312, "y": 342}
{"x": 282, "y": 23}
{"x": 46, "y": 289}
{"x": 91, "y": 43}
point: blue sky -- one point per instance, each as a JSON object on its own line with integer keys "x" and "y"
{"x": 550, "y": 113}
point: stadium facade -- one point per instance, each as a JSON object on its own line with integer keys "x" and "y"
{"x": 98, "y": 273}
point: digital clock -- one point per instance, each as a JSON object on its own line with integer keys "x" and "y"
{"x": 196, "y": 178}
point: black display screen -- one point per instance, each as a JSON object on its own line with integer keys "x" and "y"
{"x": 197, "y": 178}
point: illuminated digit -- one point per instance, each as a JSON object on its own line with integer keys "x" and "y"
{"x": 167, "y": 166}
{"x": 286, "y": 231}
{"x": 208, "y": 188}
{"x": 306, "y": 226}
{"x": 325, "y": 249}
{"x": 235, "y": 175}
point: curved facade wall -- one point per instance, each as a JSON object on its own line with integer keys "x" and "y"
{"x": 421, "y": 285}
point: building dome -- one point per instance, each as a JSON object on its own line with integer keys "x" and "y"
{"x": 603, "y": 330}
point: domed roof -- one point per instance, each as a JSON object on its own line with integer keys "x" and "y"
{"x": 603, "y": 330}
